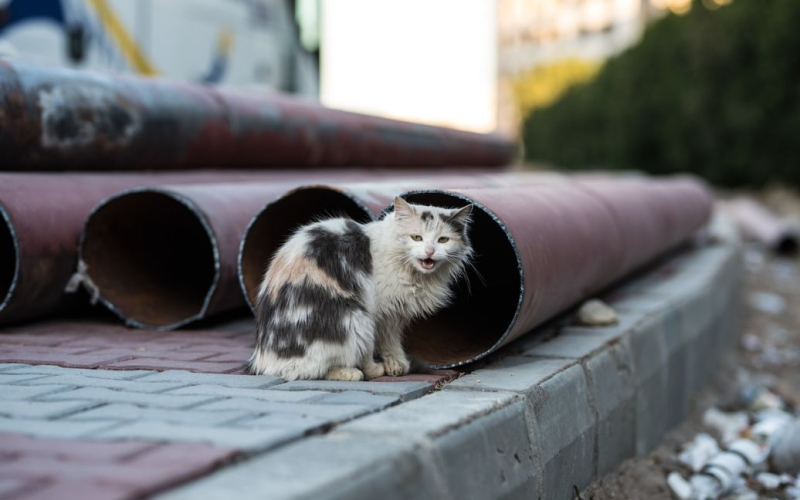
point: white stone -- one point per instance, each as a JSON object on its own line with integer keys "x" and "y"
{"x": 595, "y": 312}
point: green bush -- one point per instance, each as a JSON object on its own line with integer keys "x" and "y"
{"x": 714, "y": 92}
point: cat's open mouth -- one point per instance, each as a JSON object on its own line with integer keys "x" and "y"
{"x": 427, "y": 264}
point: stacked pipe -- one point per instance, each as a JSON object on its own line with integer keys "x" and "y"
{"x": 163, "y": 251}
{"x": 62, "y": 119}
{"x": 543, "y": 244}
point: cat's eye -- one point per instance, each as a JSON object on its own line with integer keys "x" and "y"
{"x": 416, "y": 237}
{"x": 444, "y": 239}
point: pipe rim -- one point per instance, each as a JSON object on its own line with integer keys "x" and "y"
{"x": 5, "y": 299}
{"x": 512, "y": 242}
{"x": 256, "y": 218}
{"x": 212, "y": 239}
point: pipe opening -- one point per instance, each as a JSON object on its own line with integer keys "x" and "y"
{"x": 152, "y": 258}
{"x": 9, "y": 258}
{"x": 279, "y": 219}
{"x": 481, "y": 313}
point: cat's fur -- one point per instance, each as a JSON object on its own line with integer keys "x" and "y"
{"x": 338, "y": 291}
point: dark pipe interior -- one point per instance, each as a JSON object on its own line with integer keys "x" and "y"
{"x": 8, "y": 259}
{"x": 480, "y": 314}
{"x": 151, "y": 257}
{"x": 281, "y": 218}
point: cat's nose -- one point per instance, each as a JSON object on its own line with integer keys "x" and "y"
{"x": 430, "y": 251}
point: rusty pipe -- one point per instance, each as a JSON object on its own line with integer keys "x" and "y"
{"x": 363, "y": 201}
{"x": 161, "y": 258}
{"x": 55, "y": 119}
{"x": 757, "y": 223}
{"x": 42, "y": 214}
{"x": 541, "y": 248}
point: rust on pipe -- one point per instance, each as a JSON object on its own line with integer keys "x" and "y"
{"x": 42, "y": 214}
{"x": 761, "y": 225}
{"x": 63, "y": 118}
{"x": 361, "y": 201}
{"x": 541, "y": 248}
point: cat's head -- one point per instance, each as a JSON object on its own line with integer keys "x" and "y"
{"x": 433, "y": 239}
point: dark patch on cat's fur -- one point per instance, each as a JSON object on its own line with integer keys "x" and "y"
{"x": 458, "y": 226}
{"x": 329, "y": 250}
{"x": 426, "y": 216}
{"x": 324, "y": 322}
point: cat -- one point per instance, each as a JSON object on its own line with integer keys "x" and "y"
{"x": 338, "y": 291}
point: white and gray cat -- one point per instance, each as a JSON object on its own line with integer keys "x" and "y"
{"x": 337, "y": 292}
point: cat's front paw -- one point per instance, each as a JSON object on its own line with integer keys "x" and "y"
{"x": 345, "y": 374}
{"x": 396, "y": 367}
{"x": 373, "y": 370}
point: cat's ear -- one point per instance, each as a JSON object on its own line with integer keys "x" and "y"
{"x": 402, "y": 208}
{"x": 462, "y": 215}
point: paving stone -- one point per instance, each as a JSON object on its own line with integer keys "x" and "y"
{"x": 11, "y": 378}
{"x": 247, "y": 439}
{"x": 335, "y": 466}
{"x": 59, "y": 469}
{"x": 564, "y": 433}
{"x": 332, "y": 412}
{"x": 124, "y": 412}
{"x": 76, "y": 489}
{"x": 166, "y": 364}
{"x": 240, "y": 381}
{"x": 9, "y": 488}
{"x": 104, "y": 395}
{"x": 677, "y": 344}
{"x": 118, "y": 384}
{"x": 25, "y": 355}
{"x": 375, "y": 401}
{"x": 283, "y": 421}
{"x": 59, "y": 370}
{"x": 406, "y": 390}
{"x": 53, "y": 429}
{"x": 580, "y": 341}
{"x": 42, "y": 409}
{"x": 611, "y": 381}
{"x": 85, "y": 451}
{"x": 649, "y": 361}
{"x": 514, "y": 373}
{"x": 11, "y": 366}
{"x": 490, "y": 457}
{"x": 432, "y": 415}
{"x": 265, "y": 394}
{"x": 21, "y": 392}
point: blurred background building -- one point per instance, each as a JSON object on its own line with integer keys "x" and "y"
{"x": 254, "y": 43}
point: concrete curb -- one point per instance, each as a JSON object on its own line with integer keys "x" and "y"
{"x": 543, "y": 422}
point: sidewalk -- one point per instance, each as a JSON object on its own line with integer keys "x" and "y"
{"x": 127, "y": 414}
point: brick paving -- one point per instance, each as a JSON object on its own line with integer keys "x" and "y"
{"x": 126, "y": 434}
{"x": 90, "y": 409}
{"x": 88, "y": 343}
{"x": 41, "y": 468}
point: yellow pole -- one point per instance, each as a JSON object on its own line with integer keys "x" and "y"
{"x": 133, "y": 54}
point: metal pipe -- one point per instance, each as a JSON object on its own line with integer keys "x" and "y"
{"x": 759, "y": 224}
{"x": 161, "y": 258}
{"x": 541, "y": 247}
{"x": 362, "y": 201}
{"x": 63, "y": 118}
{"x": 42, "y": 214}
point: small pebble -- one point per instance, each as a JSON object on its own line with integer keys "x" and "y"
{"x": 767, "y": 302}
{"x": 595, "y": 312}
